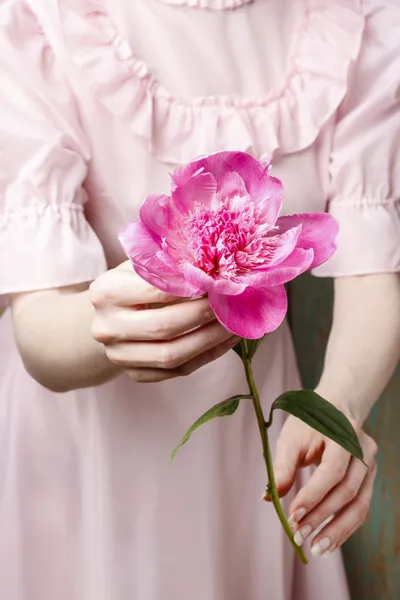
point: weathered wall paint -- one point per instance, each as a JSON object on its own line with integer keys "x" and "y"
{"x": 373, "y": 554}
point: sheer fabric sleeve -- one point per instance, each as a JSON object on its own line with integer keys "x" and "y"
{"x": 364, "y": 193}
{"x": 45, "y": 239}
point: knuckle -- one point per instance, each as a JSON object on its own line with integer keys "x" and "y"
{"x": 337, "y": 471}
{"x": 159, "y": 329}
{"x": 207, "y": 313}
{"x": 167, "y": 358}
{"x": 147, "y": 376}
{"x": 138, "y": 375}
{"x": 356, "y": 425}
{"x": 114, "y": 354}
{"x": 95, "y": 293}
{"x": 101, "y": 332}
{"x": 349, "y": 492}
{"x": 212, "y": 336}
{"x": 157, "y": 296}
{"x": 101, "y": 292}
{"x": 362, "y": 509}
{"x": 372, "y": 447}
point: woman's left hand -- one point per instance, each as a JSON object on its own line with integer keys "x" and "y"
{"x": 340, "y": 488}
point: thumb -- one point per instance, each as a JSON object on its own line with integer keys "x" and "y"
{"x": 287, "y": 459}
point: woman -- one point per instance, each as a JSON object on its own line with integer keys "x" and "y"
{"x": 100, "y": 99}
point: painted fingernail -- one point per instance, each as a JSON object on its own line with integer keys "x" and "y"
{"x": 296, "y": 516}
{"x": 321, "y": 547}
{"x": 302, "y": 534}
{"x": 328, "y": 552}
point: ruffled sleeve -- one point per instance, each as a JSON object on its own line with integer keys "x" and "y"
{"x": 364, "y": 186}
{"x": 45, "y": 240}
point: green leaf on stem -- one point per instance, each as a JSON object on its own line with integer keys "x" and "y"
{"x": 322, "y": 416}
{"x": 222, "y": 409}
{"x": 252, "y": 347}
{"x": 238, "y": 350}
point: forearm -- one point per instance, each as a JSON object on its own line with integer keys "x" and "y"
{"x": 52, "y": 330}
{"x": 364, "y": 344}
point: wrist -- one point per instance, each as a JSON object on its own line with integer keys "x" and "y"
{"x": 352, "y": 407}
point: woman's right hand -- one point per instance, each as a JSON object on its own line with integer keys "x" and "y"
{"x": 151, "y": 335}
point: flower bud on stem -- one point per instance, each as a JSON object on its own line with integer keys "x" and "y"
{"x": 263, "y": 428}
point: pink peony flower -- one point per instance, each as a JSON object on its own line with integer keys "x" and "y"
{"x": 219, "y": 234}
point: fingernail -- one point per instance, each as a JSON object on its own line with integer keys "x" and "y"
{"x": 321, "y": 547}
{"x": 296, "y": 516}
{"x": 302, "y": 534}
{"x": 328, "y": 552}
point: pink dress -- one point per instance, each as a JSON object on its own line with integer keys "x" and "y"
{"x": 99, "y": 100}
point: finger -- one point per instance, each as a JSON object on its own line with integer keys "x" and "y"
{"x": 165, "y": 323}
{"x": 168, "y": 355}
{"x": 126, "y": 266}
{"x": 339, "y": 497}
{"x": 209, "y": 356}
{"x": 347, "y": 521}
{"x": 124, "y": 287}
{"x": 158, "y": 375}
{"x": 342, "y": 495}
{"x": 287, "y": 459}
{"x": 331, "y": 470}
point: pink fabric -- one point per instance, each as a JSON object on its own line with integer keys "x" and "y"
{"x": 100, "y": 99}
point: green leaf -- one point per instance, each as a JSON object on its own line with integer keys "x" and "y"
{"x": 222, "y": 409}
{"x": 252, "y": 347}
{"x": 322, "y": 416}
{"x": 238, "y": 350}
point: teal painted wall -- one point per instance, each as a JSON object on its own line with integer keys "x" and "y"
{"x": 373, "y": 554}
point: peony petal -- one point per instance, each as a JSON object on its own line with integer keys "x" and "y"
{"x": 271, "y": 201}
{"x": 262, "y": 188}
{"x": 173, "y": 283}
{"x": 252, "y": 314}
{"x": 259, "y": 184}
{"x": 213, "y": 163}
{"x": 183, "y": 173}
{"x": 199, "y": 279}
{"x": 200, "y": 189}
{"x": 231, "y": 184}
{"x": 294, "y": 265}
{"x": 137, "y": 240}
{"x": 285, "y": 245}
{"x": 141, "y": 246}
{"x": 156, "y": 213}
{"x": 319, "y": 232}
{"x": 265, "y": 161}
{"x": 232, "y": 188}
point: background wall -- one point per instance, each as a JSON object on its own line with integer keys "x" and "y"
{"x": 373, "y": 553}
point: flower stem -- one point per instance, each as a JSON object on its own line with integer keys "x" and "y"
{"x": 272, "y": 490}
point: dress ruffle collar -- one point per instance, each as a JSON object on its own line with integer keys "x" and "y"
{"x": 209, "y": 4}
{"x": 177, "y": 129}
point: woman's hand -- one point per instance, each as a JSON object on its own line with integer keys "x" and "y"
{"x": 151, "y": 335}
{"x": 362, "y": 353}
{"x": 340, "y": 487}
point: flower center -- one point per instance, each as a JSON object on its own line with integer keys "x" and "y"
{"x": 229, "y": 242}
